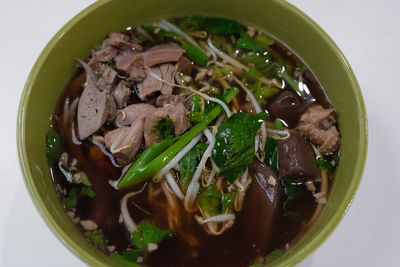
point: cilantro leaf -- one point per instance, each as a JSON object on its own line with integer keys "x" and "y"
{"x": 96, "y": 237}
{"x": 274, "y": 255}
{"x": 148, "y": 233}
{"x": 164, "y": 128}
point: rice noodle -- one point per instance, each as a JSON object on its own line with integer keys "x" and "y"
{"x": 168, "y": 26}
{"x": 277, "y": 134}
{"x": 128, "y": 221}
{"x": 217, "y": 218}
{"x": 173, "y": 185}
{"x": 238, "y": 203}
{"x": 209, "y": 98}
{"x": 172, "y": 215}
{"x": 194, "y": 183}
{"x": 178, "y": 156}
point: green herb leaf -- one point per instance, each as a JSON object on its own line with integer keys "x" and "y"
{"x": 148, "y": 233}
{"x": 195, "y": 54}
{"x": 189, "y": 163}
{"x": 96, "y": 237}
{"x": 195, "y": 116}
{"x": 164, "y": 128}
{"x": 271, "y": 155}
{"x": 69, "y": 202}
{"x": 246, "y": 42}
{"x": 234, "y": 145}
{"x": 274, "y": 255}
{"x": 210, "y": 200}
{"x": 324, "y": 165}
{"x": 278, "y": 124}
{"x": 216, "y": 25}
{"x": 53, "y": 146}
{"x": 227, "y": 202}
{"x": 87, "y": 191}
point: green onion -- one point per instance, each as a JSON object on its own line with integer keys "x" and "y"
{"x": 137, "y": 174}
{"x": 195, "y": 54}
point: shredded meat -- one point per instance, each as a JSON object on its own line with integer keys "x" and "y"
{"x": 318, "y": 125}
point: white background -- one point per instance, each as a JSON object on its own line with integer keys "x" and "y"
{"x": 367, "y": 31}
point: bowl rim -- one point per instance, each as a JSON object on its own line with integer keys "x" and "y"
{"x": 89, "y": 258}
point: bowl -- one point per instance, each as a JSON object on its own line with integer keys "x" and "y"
{"x": 56, "y": 64}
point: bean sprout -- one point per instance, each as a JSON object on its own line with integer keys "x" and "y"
{"x": 129, "y": 223}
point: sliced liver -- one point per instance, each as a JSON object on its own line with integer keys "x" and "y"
{"x": 296, "y": 159}
{"x": 92, "y": 111}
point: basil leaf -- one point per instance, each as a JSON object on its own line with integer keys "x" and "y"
{"x": 234, "y": 143}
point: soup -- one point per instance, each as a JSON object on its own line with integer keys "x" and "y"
{"x": 193, "y": 141}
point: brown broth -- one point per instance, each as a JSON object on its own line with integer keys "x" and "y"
{"x": 189, "y": 245}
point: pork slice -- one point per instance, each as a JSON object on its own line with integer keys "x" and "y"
{"x": 318, "y": 125}
{"x": 168, "y": 74}
{"x": 150, "y": 84}
{"x": 296, "y": 158}
{"x": 92, "y": 111}
{"x": 261, "y": 206}
{"x": 126, "y": 61}
{"x": 163, "y": 100}
{"x": 177, "y": 113}
{"x": 121, "y": 94}
{"x": 91, "y": 77}
{"x": 131, "y": 113}
{"x": 107, "y": 80}
{"x": 288, "y": 107}
{"x": 162, "y": 54}
{"x": 179, "y": 116}
{"x": 111, "y": 107}
{"x": 103, "y": 55}
{"x": 124, "y": 143}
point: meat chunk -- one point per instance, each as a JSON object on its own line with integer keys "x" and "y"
{"x": 102, "y": 55}
{"x": 162, "y": 54}
{"x": 92, "y": 111}
{"x": 296, "y": 158}
{"x": 184, "y": 65}
{"x": 91, "y": 77}
{"x": 164, "y": 100}
{"x": 318, "y": 125}
{"x": 150, "y": 84}
{"x": 125, "y": 61}
{"x": 288, "y": 107}
{"x": 107, "y": 80}
{"x": 132, "y": 112}
{"x": 263, "y": 202}
{"x": 121, "y": 94}
{"x": 109, "y": 48}
{"x": 124, "y": 143}
{"x": 177, "y": 113}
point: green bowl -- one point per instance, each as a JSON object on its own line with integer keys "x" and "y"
{"x": 56, "y": 64}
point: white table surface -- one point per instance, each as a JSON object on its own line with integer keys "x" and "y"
{"x": 367, "y": 31}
